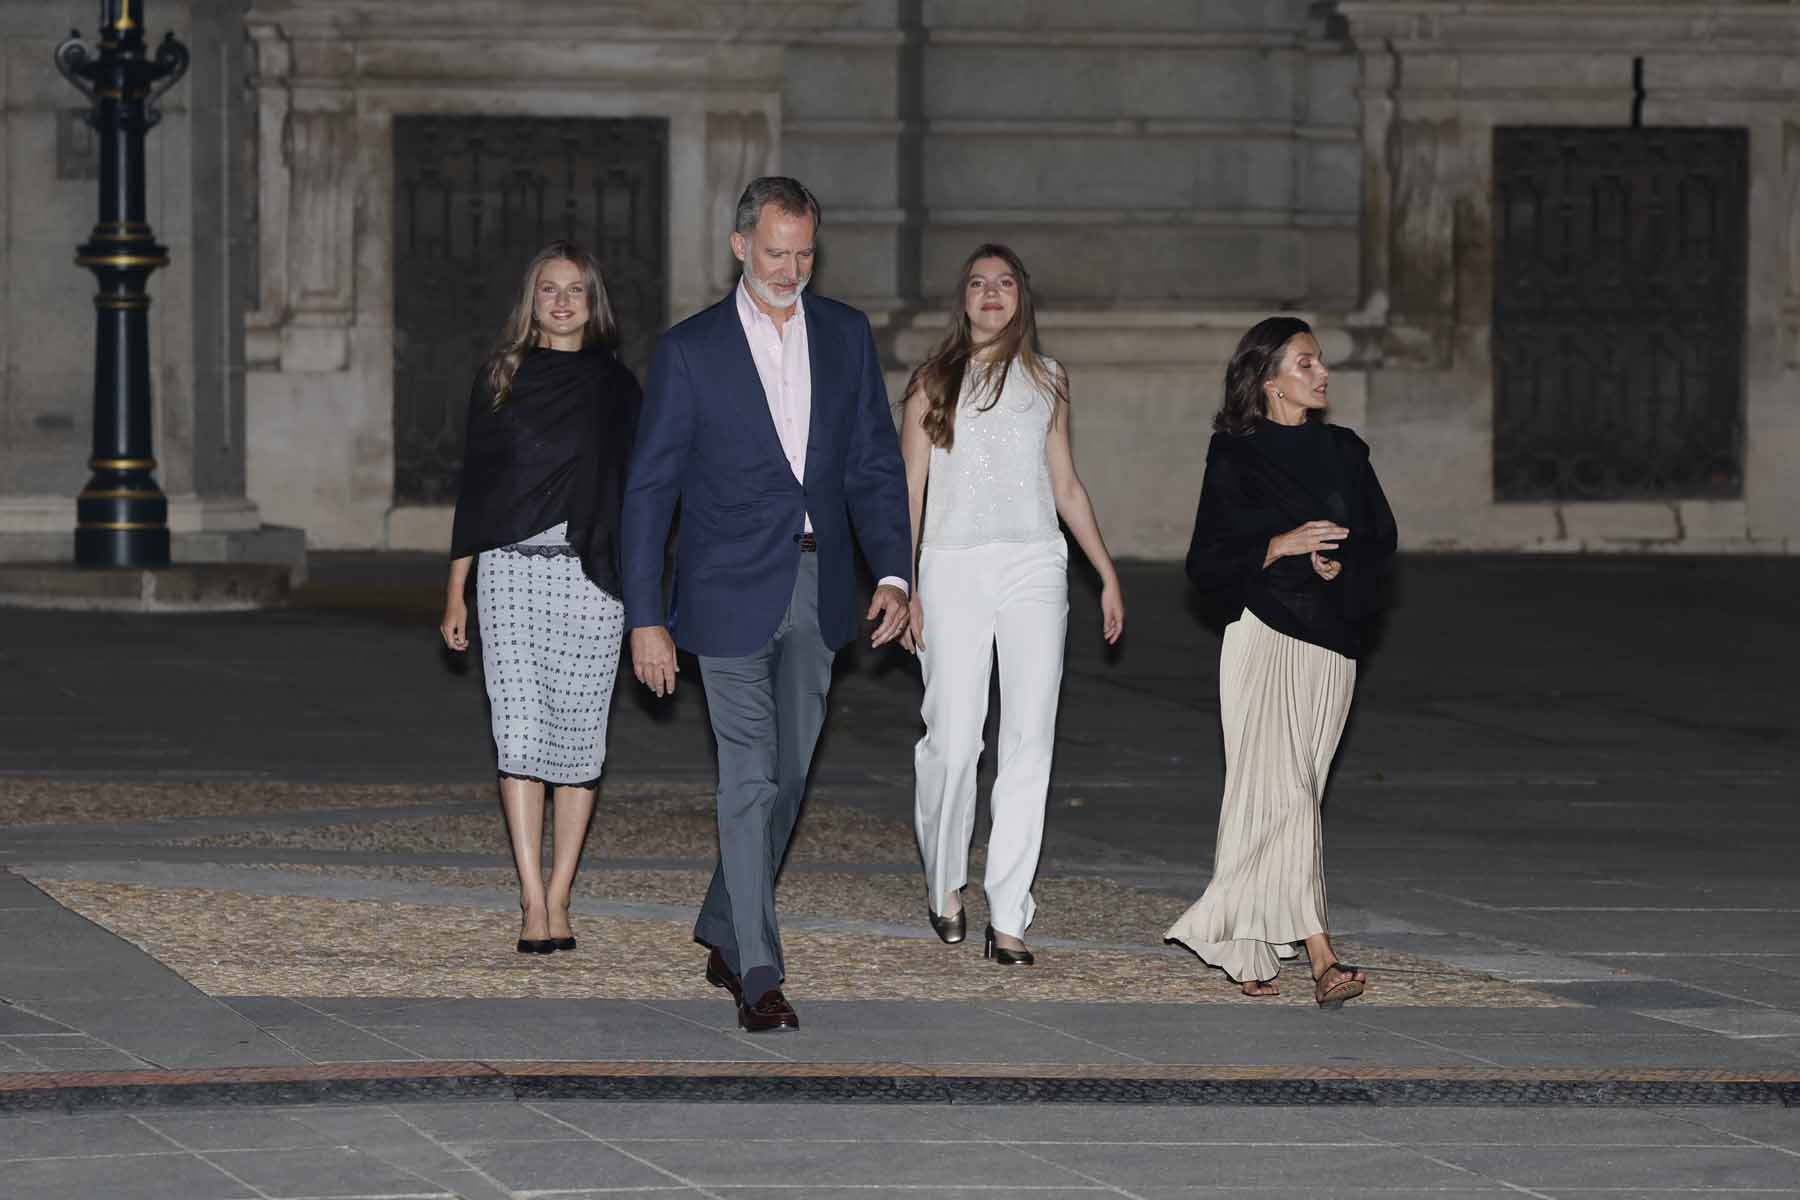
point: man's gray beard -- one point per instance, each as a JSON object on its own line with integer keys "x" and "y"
{"x": 767, "y": 295}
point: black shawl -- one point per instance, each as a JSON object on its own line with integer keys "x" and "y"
{"x": 555, "y": 451}
{"x": 1247, "y": 498}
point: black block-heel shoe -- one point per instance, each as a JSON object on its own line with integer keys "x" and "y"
{"x": 567, "y": 943}
{"x": 950, "y": 930}
{"x": 537, "y": 945}
{"x": 1004, "y": 957}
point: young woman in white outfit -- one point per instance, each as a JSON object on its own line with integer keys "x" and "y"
{"x": 985, "y": 435}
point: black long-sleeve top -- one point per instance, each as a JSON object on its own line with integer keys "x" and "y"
{"x": 557, "y": 450}
{"x": 1268, "y": 481}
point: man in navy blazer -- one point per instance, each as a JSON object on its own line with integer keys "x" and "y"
{"x": 766, "y": 418}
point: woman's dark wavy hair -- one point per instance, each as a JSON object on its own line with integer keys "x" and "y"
{"x": 1254, "y": 362}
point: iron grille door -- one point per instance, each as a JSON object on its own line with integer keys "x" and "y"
{"x": 1619, "y": 313}
{"x": 474, "y": 199}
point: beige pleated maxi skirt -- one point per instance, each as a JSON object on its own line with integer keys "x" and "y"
{"x": 1283, "y": 704}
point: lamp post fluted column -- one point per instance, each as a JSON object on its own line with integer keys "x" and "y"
{"x": 122, "y": 515}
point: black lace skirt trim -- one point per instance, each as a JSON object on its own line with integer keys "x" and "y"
{"x": 591, "y": 785}
{"x": 539, "y": 551}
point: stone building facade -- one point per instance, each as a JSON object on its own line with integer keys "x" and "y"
{"x": 349, "y": 187}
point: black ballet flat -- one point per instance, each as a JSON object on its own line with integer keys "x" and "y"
{"x": 567, "y": 943}
{"x": 537, "y": 945}
{"x": 950, "y": 930}
{"x": 1004, "y": 957}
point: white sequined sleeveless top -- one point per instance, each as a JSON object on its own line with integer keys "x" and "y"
{"x": 993, "y": 484}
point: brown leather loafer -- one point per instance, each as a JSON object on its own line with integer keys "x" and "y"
{"x": 768, "y": 1015}
{"x": 721, "y": 976}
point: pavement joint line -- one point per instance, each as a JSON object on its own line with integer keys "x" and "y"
{"x": 610, "y": 1144}
{"x": 450, "y": 1149}
{"x": 1062, "y": 1032}
{"x": 761, "y": 1046}
{"x": 191, "y": 1152}
{"x": 335, "y": 1020}
{"x": 1018, "y": 1147}
{"x": 1519, "y": 1188}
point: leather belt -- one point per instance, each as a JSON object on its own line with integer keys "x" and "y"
{"x": 807, "y": 542}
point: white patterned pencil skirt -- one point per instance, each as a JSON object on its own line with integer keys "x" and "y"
{"x": 550, "y": 650}
{"x": 1283, "y": 703}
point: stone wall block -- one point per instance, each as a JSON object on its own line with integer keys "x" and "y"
{"x": 838, "y": 82}
{"x": 1135, "y": 15}
{"x": 1331, "y": 87}
{"x": 1083, "y": 264}
{"x": 1032, "y": 171}
{"x": 843, "y": 172}
{"x": 1621, "y": 521}
{"x": 1071, "y": 81}
{"x": 1333, "y": 173}
{"x": 1718, "y": 522}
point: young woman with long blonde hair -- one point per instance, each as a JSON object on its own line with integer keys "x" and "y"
{"x": 985, "y": 436}
{"x": 552, "y": 415}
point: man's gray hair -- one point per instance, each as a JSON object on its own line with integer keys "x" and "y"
{"x": 787, "y": 195}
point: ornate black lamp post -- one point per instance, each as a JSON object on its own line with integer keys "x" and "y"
{"x": 121, "y": 515}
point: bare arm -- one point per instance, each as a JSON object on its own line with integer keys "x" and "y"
{"x": 455, "y": 625}
{"x": 915, "y": 451}
{"x": 1077, "y": 512}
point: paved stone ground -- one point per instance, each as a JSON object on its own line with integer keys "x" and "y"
{"x": 1567, "y": 791}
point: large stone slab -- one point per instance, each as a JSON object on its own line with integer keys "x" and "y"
{"x": 181, "y": 587}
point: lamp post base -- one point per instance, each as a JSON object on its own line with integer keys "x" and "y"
{"x": 122, "y": 547}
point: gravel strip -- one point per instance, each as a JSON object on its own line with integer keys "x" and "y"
{"x": 26, "y": 801}
{"x": 76, "y": 802}
{"x": 676, "y": 821}
{"x": 228, "y": 943}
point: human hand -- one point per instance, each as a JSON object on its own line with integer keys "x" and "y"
{"x": 1112, "y": 612}
{"x": 1328, "y": 568}
{"x": 455, "y": 625}
{"x": 1305, "y": 539}
{"x": 890, "y": 604}
{"x": 653, "y": 659}
{"x": 914, "y": 637}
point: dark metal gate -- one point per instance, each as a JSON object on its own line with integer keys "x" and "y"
{"x": 474, "y": 199}
{"x": 1619, "y": 313}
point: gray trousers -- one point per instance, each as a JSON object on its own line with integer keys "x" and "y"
{"x": 767, "y": 709}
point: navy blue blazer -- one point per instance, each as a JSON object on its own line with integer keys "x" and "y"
{"x": 706, "y": 439}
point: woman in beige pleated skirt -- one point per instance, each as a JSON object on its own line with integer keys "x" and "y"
{"x": 1293, "y": 530}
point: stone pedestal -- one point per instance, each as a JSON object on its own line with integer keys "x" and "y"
{"x": 183, "y": 587}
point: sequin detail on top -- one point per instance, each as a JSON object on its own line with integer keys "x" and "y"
{"x": 993, "y": 484}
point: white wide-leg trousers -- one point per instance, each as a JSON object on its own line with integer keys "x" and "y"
{"x": 1014, "y": 596}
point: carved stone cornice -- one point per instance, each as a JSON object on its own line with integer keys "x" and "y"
{"x": 1619, "y": 26}
{"x": 470, "y": 43}
{"x": 567, "y": 21}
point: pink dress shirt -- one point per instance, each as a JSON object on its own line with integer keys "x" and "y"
{"x": 784, "y": 365}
